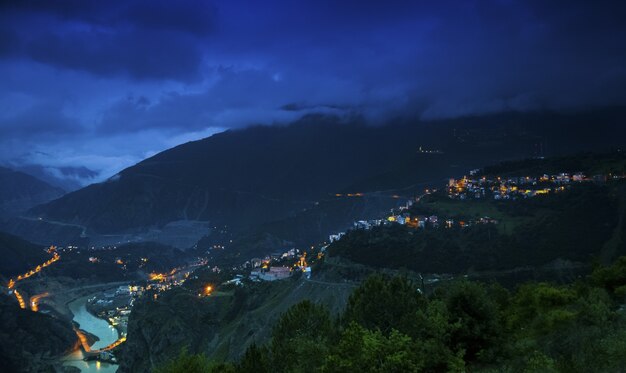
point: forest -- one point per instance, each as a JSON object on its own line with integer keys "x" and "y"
{"x": 391, "y": 325}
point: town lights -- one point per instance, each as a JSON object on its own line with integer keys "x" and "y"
{"x": 208, "y": 289}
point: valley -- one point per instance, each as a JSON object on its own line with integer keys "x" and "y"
{"x": 232, "y": 293}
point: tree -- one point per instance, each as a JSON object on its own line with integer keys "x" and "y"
{"x": 479, "y": 322}
{"x": 301, "y": 338}
{"x": 385, "y": 304}
{"x": 362, "y": 350}
{"x": 192, "y": 363}
{"x": 433, "y": 337}
{"x": 256, "y": 359}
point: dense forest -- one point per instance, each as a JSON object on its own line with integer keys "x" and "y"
{"x": 390, "y": 325}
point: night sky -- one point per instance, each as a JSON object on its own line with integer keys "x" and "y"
{"x": 104, "y": 84}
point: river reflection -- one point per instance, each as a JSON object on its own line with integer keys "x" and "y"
{"x": 97, "y": 327}
{"x": 75, "y": 359}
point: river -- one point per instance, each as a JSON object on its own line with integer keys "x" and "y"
{"x": 97, "y": 327}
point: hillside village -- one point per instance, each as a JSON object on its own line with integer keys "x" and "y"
{"x": 477, "y": 187}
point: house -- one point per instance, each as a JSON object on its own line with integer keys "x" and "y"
{"x": 275, "y": 273}
{"x": 335, "y": 237}
{"x": 362, "y": 224}
{"x": 255, "y": 274}
{"x": 487, "y": 220}
{"x": 236, "y": 281}
{"x": 256, "y": 262}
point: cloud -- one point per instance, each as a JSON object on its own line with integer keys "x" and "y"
{"x": 138, "y": 39}
{"x": 39, "y": 120}
{"x": 105, "y": 84}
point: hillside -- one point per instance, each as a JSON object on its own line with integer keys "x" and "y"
{"x": 30, "y": 341}
{"x": 19, "y": 192}
{"x": 391, "y": 325}
{"x": 19, "y": 255}
{"x": 222, "y": 325}
{"x": 581, "y": 223}
{"x": 556, "y": 237}
{"x": 243, "y": 178}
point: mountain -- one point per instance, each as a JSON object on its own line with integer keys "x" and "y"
{"x": 19, "y": 255}
{"x": 65, "y": 177}
{"x": 244, "y": 178}
{"x": 19, "y": 192}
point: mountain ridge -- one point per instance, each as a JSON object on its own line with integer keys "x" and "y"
{"x": 258, "y": 175}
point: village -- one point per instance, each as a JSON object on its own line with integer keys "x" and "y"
{"x": 473, "y": 187}
{"x": 504, "y": 188}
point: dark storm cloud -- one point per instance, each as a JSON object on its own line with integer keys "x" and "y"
{"x": 188, "y": 16}
{"x": 141, "y": 39}
{"x": 154, "y": 55}
{"x": 40, "y": 120}
{"x": 144, "y": 75}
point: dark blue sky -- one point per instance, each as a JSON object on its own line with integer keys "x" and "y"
{"x": 103, "y": 84}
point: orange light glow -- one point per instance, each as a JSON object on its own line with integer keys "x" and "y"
{"x": 34, "y": 301}
{"x": 20, "y": 300}
{"x": 37, "y": 269}
{"x": 157, "y": 276}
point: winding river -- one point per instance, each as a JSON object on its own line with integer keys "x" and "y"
{"x": 97, "y": 327}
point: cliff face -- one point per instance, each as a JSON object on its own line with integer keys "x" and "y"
{"x": 29, "y": 341}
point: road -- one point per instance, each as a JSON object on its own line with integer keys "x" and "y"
{"x": 34, "y": 301}
{"x": 55, "y": 257}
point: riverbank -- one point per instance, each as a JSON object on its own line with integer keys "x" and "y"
{"x": 99, "y": 328}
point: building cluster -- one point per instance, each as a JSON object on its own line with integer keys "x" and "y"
{"x": 270, "y": 274}
{"x": 115, "y": 306}
{"x": 277, "y": 266}
{"x": 503, "y": 188}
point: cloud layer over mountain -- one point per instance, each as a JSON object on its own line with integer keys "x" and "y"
{"x": 105, "y": 84}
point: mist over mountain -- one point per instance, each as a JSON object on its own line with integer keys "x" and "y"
{"x": 261, "y": 174}
{"x": 67, "y": 178}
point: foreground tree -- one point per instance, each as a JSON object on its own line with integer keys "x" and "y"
{"x": 385, "y": 304}
{"x": 302, "y": 338}
{"x": 193, "y": 363}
